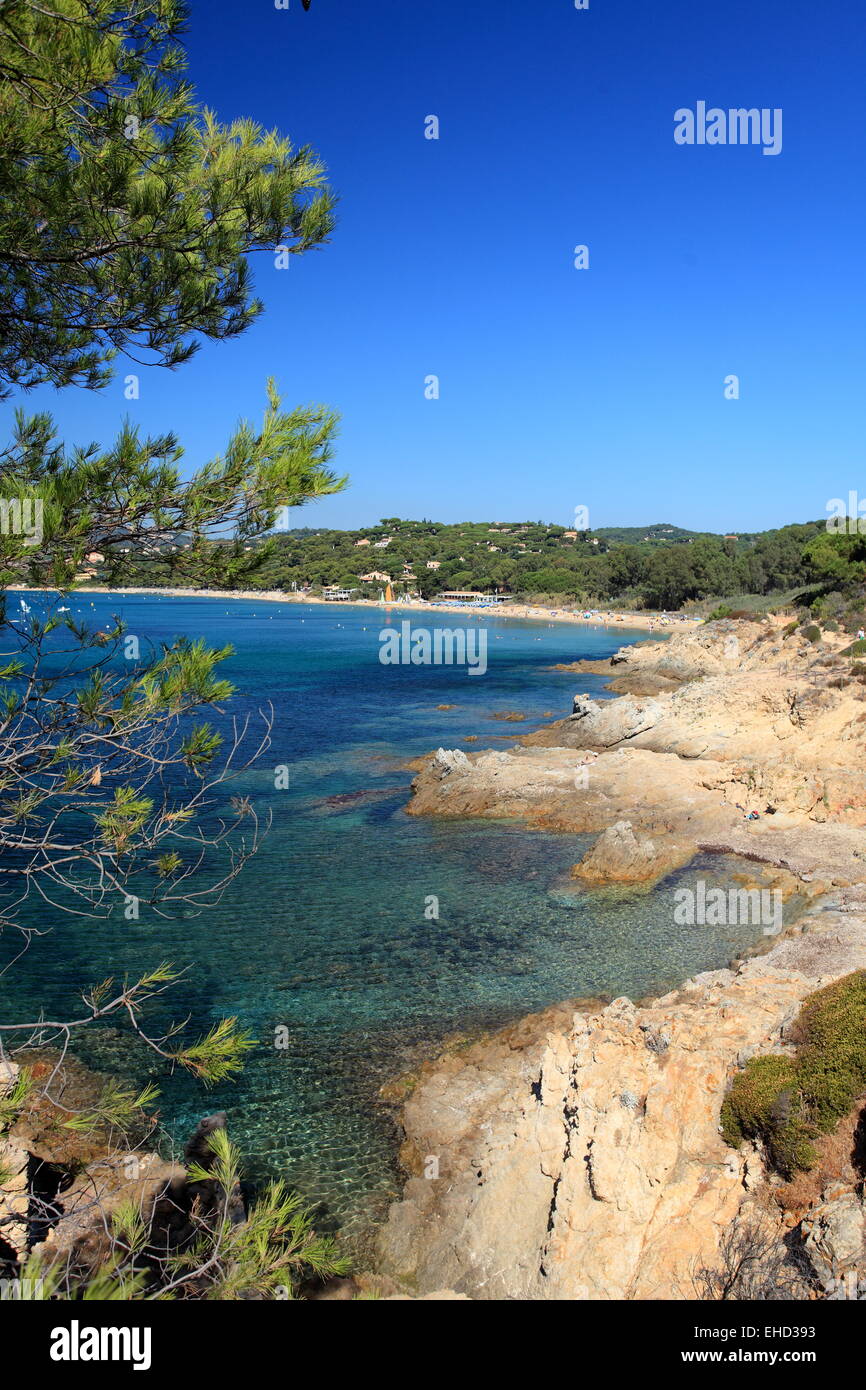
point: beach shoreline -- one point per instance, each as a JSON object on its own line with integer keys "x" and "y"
{"x": 645, "y": 622}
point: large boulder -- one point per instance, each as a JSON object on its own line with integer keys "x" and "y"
{"x": 621, "y": 856}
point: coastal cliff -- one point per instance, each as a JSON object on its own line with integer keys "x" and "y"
{"x": 580, "y": 1156}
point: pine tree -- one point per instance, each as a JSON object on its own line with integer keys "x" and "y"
{"x": 127, "y": 211}
{"x": 127, "y": 214}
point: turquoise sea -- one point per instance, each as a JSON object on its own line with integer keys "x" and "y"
{"x": 323, "y": 942}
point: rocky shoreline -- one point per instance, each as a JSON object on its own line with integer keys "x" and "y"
{"x": 578, "y": 1155}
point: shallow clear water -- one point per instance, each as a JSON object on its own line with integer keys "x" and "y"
{"x": 325, "y": 933}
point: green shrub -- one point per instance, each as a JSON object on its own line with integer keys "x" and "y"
{"x": 764, "y": 1103}
{"x": 785, "y": 1102}
{"x": 831, "y": 625}
{"x": 812, "y": 633}
{"x": 723, "y": 611}
{"x": 790, "y": 629}
{"x": 831, "y": 1049}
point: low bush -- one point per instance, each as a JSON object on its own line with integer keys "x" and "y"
{"x": 785, "y": 1102}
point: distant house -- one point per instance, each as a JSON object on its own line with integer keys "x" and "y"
{"x": 375, "y": 577}
{"x": 732, "y": 538}
{"x": 434, "y": 564}
{"x": 383, "y": 544}
{"x": 364, "y": 541}
{"x": 569, "y": 535}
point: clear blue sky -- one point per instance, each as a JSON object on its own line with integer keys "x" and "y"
{"x": 558, "y": 387}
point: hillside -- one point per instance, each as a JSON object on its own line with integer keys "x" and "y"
{"x": 656, "y": 567}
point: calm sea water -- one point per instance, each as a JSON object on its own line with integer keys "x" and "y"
{"x": 324, "y": 936}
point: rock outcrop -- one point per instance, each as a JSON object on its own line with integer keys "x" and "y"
{"x": 760, "y": 738}
{"x": 620, "y": 856}
{"x": 587, "y": 1163}
{"x": 60, "y": 1186}
{"x": 583, "y": 1159}
{"x": 835, "y": 1236}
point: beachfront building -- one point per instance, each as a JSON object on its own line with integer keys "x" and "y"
{"x": 335, "y": 593}
{"x": 470, "y": 596}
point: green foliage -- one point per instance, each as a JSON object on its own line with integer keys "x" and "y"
{"x": 268, "y": 1254}
{"x": 219, "y": 1055}
{"x": 834, "y": 558}
{"x": 812, "y": 632}
{"x": 129, "y": 504}
{"x": 115, "y": 1281}
{"x": 118, "y": 1107}
{"x": 128, "y": 210}
{"x": 786, "y": 1102}
{"x": 13, "y": 1099}
{"x": 831, "y": 1052}
{"x": 663, "y": 567}
{"x": 124, "y": 818}
{"x": 127, "y": 213}
{"x": 759, "y": 1105}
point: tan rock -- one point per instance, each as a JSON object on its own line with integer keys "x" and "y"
{"x": 620, "y": 856}
{"x": 587, "y": 1163}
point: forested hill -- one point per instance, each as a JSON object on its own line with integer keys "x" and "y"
{"x": 657, "y": 566}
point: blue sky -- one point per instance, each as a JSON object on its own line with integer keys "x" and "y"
{"x": 559, "y": 387}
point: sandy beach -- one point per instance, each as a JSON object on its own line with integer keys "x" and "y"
{"x": 649, "y": 622}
